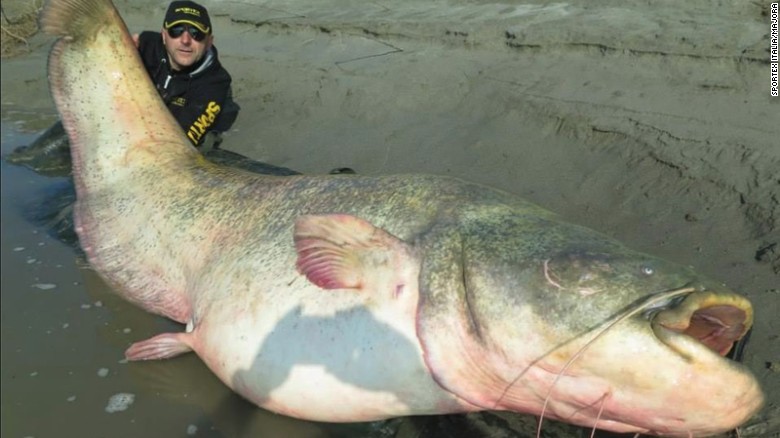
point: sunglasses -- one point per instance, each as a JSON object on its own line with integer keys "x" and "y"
{"x": 195, "y": 33}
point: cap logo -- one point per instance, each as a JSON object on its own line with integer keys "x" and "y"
{"x": 190, "y": 11}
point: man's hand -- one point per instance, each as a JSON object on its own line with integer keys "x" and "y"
{"x": 135, "y": 40}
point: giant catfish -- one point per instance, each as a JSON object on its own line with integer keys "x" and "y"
{"x": 354, "y": 298}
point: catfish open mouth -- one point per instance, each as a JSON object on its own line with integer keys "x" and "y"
{"x": 716, "y": 320}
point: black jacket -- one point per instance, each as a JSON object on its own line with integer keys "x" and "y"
{"x": 199, "y": 97}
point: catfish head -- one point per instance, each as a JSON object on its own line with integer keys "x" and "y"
{"x": 522, "y": 312}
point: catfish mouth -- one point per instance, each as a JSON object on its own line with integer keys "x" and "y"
{"x": 715, "y": 320}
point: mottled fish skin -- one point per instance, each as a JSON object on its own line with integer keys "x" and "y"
{"x": 49, "y": 155}
{"x": 355, "y": 298}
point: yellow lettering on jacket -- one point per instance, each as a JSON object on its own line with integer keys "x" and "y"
{"x": 199, "y": 126}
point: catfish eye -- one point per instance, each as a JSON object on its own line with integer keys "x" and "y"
{"x": 647, "y": 270}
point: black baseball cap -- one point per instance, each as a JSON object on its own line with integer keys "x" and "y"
{"x": 187, "y": 12}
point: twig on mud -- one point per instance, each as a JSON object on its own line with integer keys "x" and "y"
{"x": 359, "y": 58}
{"x": 291, "y": 14}
{"x": 381, "y": 6}
{"x": 2, "y": 12}
{"x": 368, "y": 56}
{"x": 12, "y": 35}
{"x": 37, "y": 6}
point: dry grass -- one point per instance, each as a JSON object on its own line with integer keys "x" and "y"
{"x": 17, "y": 30}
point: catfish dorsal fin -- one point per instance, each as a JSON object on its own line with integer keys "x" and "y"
{"x": 340, "y": 251}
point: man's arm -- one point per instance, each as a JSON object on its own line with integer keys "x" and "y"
{"x": 200, "y": 109}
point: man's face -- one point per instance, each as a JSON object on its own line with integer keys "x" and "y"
{"x": 184, "y": 50}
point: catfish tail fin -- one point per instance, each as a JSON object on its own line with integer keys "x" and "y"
{"x": 75, "y": 19}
